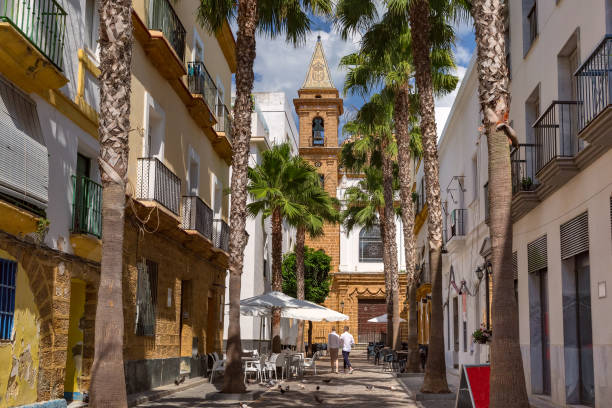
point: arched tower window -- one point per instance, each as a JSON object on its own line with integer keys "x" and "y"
{"x": 370, "y": 245}
{"x": 318, "y": 131}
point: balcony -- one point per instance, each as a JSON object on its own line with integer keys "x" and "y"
{"x": 594, "y": 88}
{"x": 162, "y": 17}
{"x": 557, "y": 144}
{"x": 221, "y": 235}
{"x": 157, "y": 184}
{"x": 201, "y": 83}
{"x": 163, "y": 38}
{"x": 32, "y": 43}
{"x": 224, "y": 122}
{"x": 86, "y": 207}
{"x": 456, "y": 229}
{"x": 197, "y": 216}
{"x": 524, "y": 181}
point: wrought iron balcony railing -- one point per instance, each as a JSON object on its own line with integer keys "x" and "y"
{"x": 224, "y": 121}
{"x": 594, "y": 83}
{"x": 556, "y": 133}
{"x": 162, "y": 17}
{"x": 456, "y": 226}
{"x": 42, "y": 22}
{"x": 221, "y": 234}
{"x": 157, "y": 183}
{"x": 200, "y": 82}
{"x": 86, "y": 206}
{"x": 522, "y": 160}
{"x": 197, "y": 216}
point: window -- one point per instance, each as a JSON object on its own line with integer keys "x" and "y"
{"x": 8, "y": 278}
{"x": 370, "y": 245}
{"x": 567, "y": 63}
{"x": 318, "y": 131}
{"x": 91, "y": 25}
{"x": 193, "y": 179}
{"x": 530, "y": 24}
{"x": 146, "y": 302}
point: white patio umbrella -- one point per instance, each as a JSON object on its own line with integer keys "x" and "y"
{"x": 382, "y": 319}
{"x": 290, "y": 307}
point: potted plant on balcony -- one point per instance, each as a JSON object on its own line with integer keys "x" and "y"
{"x": 482, "y": 335}
{"x": 526, "y": 183}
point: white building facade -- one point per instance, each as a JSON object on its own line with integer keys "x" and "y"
{"x": 562, "y": 188}
{"x": 271, "y": 123}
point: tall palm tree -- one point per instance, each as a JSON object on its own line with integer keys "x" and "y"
{"x": 385, "y": 59}
{"x": 319, "y": 207}
{"x": 107, "y": 379}
{"x": 423, "y": 17}
{"x": 507, "y": 377}
{"x": 272, "y": 185}
{"x": 271, "y": 17}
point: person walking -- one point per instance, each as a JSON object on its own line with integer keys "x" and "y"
{"x": 333, "y": 343}
{"x": 347, "y": 341}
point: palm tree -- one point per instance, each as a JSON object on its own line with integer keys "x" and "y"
{"x": 319, "y": 208}
{"x": 107, "y": 379}
{"x": 507, "y": 377}
{"x": 385, "y": 59}
{"x": 272, "y": 185}
{"x": 271, "y": 17}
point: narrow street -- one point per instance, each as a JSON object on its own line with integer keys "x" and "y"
{"x": 344, "y": 390}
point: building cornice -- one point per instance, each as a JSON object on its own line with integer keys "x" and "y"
{"x": 322, "y": 104}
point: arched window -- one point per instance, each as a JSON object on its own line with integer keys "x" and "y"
{"x": 318, "y": 131}
{"x": 370, "y": 245}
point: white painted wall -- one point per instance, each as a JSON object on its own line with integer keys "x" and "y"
{"x": 590, "y": 190}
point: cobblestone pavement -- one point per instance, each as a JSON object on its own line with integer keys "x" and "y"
{"x": 344, "y": 390}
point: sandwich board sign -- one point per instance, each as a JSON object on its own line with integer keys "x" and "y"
{"x": 474, "y": 386}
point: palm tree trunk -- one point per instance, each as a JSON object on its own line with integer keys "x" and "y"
{"x": 300, "y": 237}
{"x": 507, "y": 386}
{"x": 391, "y": 244}
{"x": 107, "y": 387}
{"x": 435, "y": 373}
{"x": 401, "y": 113}
{"x": 277, "y": 277}
{"x": 386, "y": 269}
{"x": 245, "y": 54}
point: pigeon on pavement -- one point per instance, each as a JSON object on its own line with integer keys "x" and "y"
{"x": 318, "y": 388}
{"x": 318, "y": 399}
{"x": 327, "y": 380}
{"x": 369, "y": 387}
{"x": 244, "y": 405}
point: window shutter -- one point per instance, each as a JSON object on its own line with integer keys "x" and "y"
{"x": 8, "y": 279}
{"x": 537, "y": 254}
{"x": 575, "y": 236}
{"x": 24, "y": 169}
{"x": 515, "y": 265}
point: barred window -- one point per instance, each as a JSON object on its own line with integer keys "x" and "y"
{"x": 8, "y": 277}
{"x": 370, "y": 245}
{"x": 146, "y": 303}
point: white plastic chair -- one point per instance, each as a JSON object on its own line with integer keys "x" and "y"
{"x": 296, "y": 364}
{"x": 269, "y": 366}
{"x": 312, "y": 362}
{"x": 281, "y": 361}
{"x": 218, "y": 366}
{"x": 252, "y": 367}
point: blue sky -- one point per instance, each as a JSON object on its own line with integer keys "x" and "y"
{"x": 279, "y": 66}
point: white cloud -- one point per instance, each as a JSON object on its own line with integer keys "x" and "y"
{"x": 462, "y": 55}
{"x": 279, "y": 66}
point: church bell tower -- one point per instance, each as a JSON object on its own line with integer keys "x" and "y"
{"x": 319, "y": 107}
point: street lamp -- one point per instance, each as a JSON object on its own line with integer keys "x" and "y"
{"x": 341, "y": 306}
{"x": 479, "y": 272}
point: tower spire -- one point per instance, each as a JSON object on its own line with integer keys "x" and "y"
{"x": 318, "y": 76}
